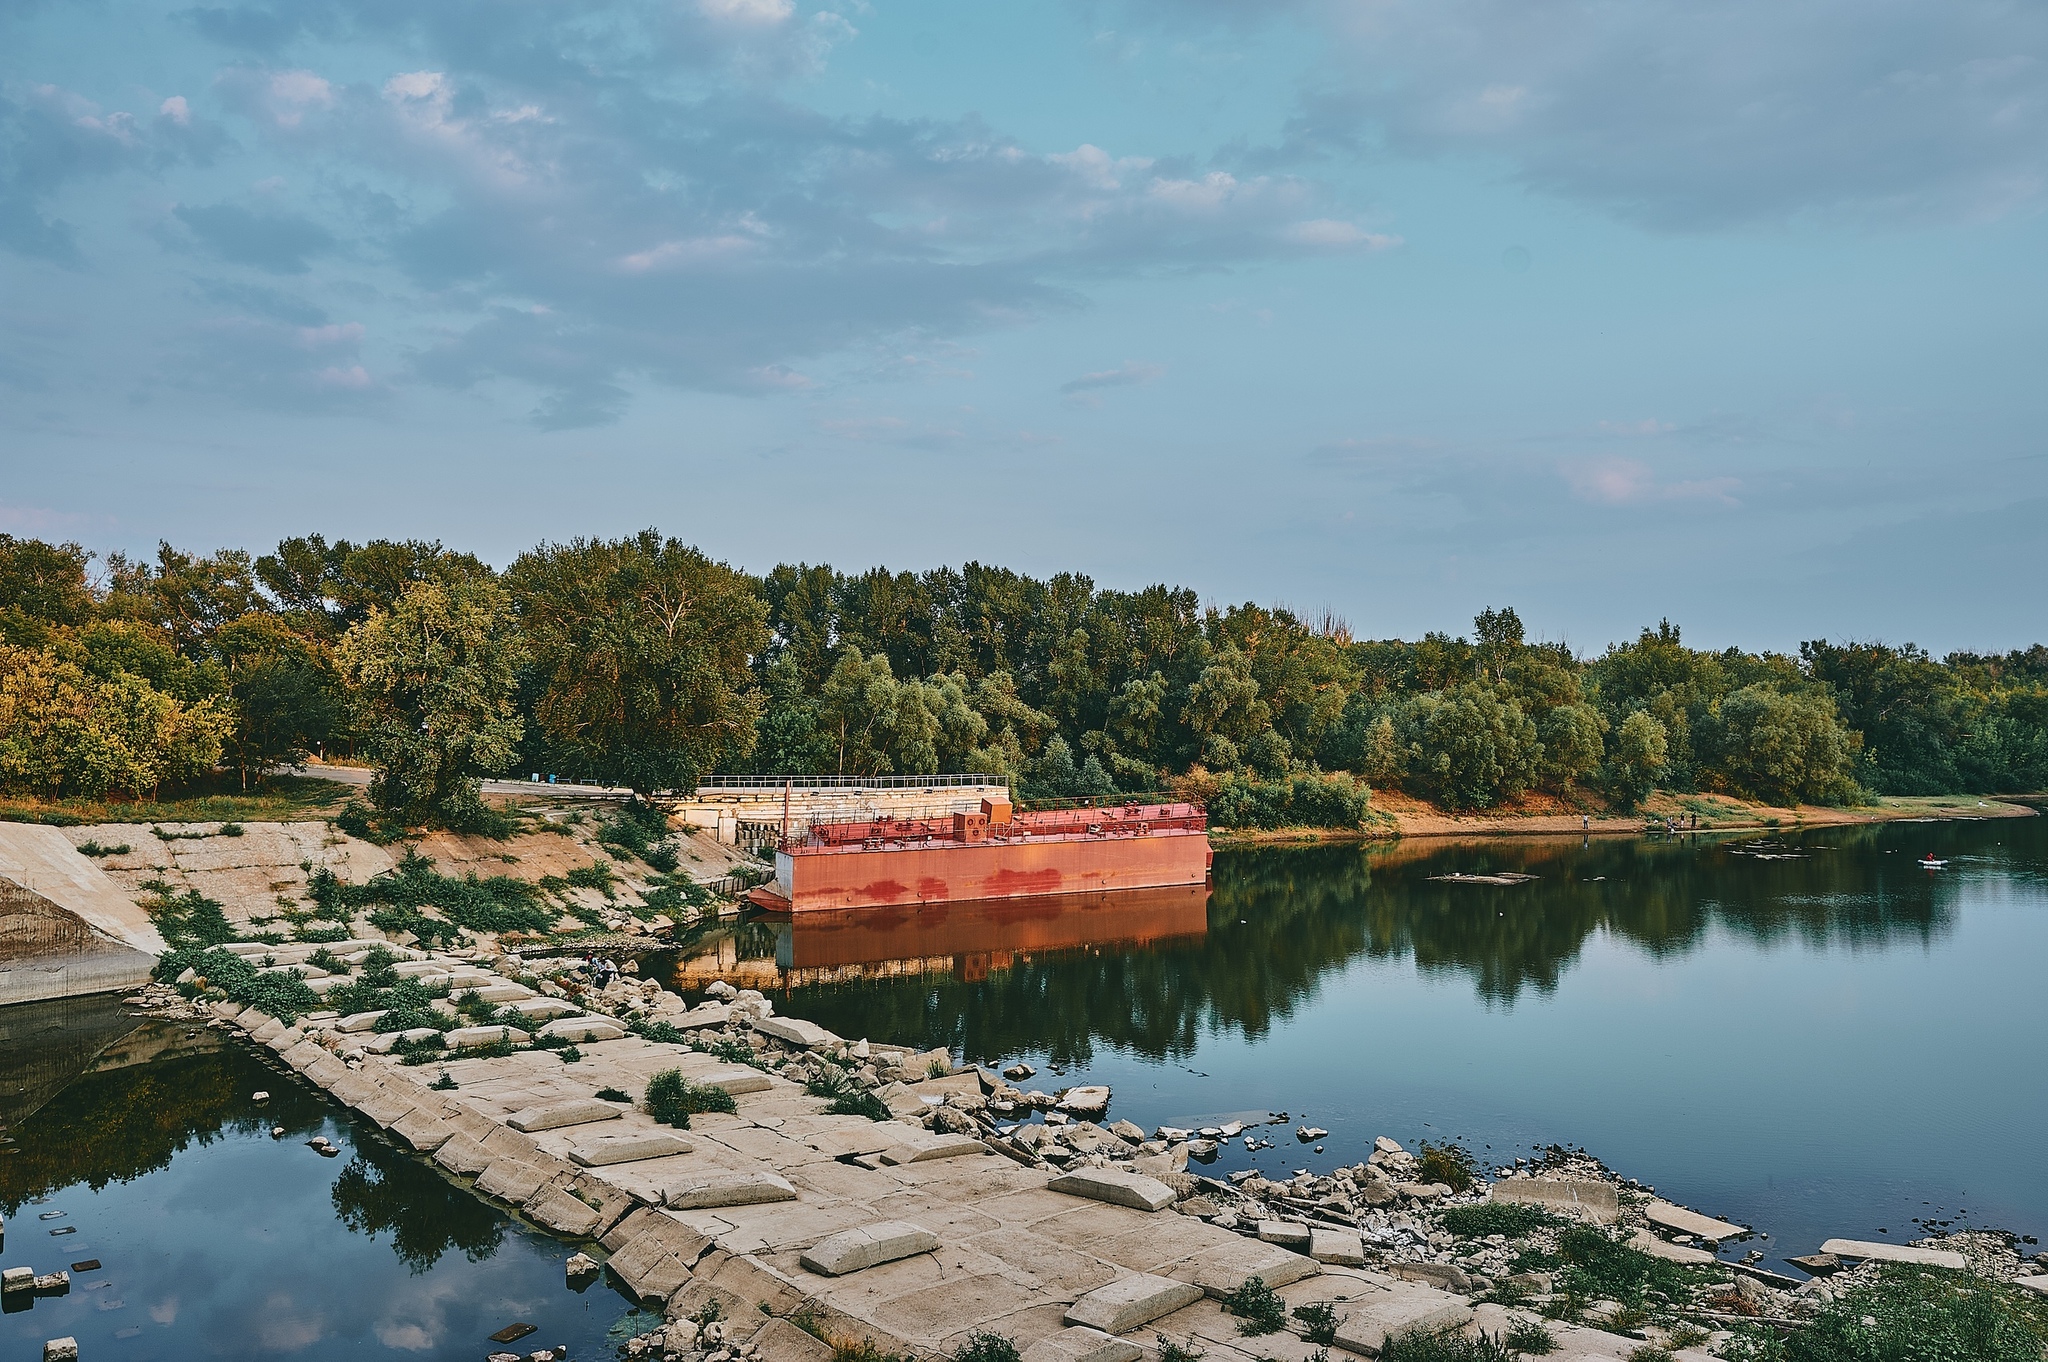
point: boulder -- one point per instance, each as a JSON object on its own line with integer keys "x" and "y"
{"x": 809, "y": 1035}
{"x": 61, "y": 1350}
{"x": 1442, "y": 1276}
{"x": 1089, "y": 1101}
{"x": 1129, "y": 1302}
{"x": 583, "y": 1030}
{"x": 867, "y": 1246}
{"x": 1116, "y": 1187}
{"x": 554, "y": 1115}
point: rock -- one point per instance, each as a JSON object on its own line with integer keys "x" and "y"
{"x": 1116, "y": 1187}
{"x": 1308, "y": 1134}
{"x": 602, "y": 1151}
{"x": 1089, "y": 1101}
{"x": 1201, "y": 1207}
{"x": 1589, "y": 1200}
{"x": 1531, "y": 1283}
{"x": 1422, "y": 1191}
{"x": 580, "y": 1030}
{"x": 1679, "y": 1219}
{"x": 1343, "y": 1248}
{"x": 1203, "y": 1150}
{"x": 1817, "y": 1264}
{"x": 2038, "y": 1285}
{"x": 259, "y": 1096}
{"x": 1125, "y": 1304}
{"x": 1365, "y": 1328}
{"x": 554, "y": 1115}
{"x": 580, "y": 1266}
{"x": 17, "y": 1279}
{"x": 1081, "y": 1344}
{"x": 867, "y": 1246}
{"x": 721, "y": 990}
{"x": 1383, "y": 1145}
{"x": 1286, "y": 1233}
{"x": 1374, "y": 1193}
{"x": 1442, "y": 1276}
{"x": 1223, "y": 1269}
{"x": 809, "y": 1035}
{"x": 545, "y": 1009}
{"x": 1018, "y": 1072}
{"x": 705, "y": 1191}
{"x": 1125, "y": 1130}
{"x": 61, "y": 1350}
{"x": 53, "y": 1283}
{"x": 920, "y": 1147}
{"x": 1895, "y": 1253}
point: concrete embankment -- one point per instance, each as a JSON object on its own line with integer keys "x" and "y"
{"x": 784, "y": 1213}
{"x": 66, "y": 929}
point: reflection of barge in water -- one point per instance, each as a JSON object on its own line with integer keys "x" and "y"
{"x": 964, "y": 940}
{"x": 998, "y": 853}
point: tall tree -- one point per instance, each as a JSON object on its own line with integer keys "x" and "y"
{"x": 433, "y": 682}
{"x": 287, "y": 700}
{"x": 643, "y": 647}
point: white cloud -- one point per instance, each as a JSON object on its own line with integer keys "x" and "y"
{"x": 177, "y": 110}
{"x": 1333, "y": 234}
{"x": 1127, "y": 374}
{"x": 750, "y": 12}
{"x": 291, "y": 94}
{"x": 1629, "y": 482}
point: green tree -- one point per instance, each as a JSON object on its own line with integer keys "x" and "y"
{"x": 65, "y": 731}
{"x": 1787, "y": 749}
{"x": 1636, "y": 758}
{"x": 644, "y": 648}
{"x": 432, "y": 683}
{"x": 187, "y": 596}
{"x": 1572, "y": 744}
{"x": 287, "y": 697}
{"x": 1469, "y": 748}
{"x": 41, "y": 586}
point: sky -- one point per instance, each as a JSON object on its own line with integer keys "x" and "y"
{"x": 1732, "y": 313}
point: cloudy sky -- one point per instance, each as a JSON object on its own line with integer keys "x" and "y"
{"x": 1732, "y": 312}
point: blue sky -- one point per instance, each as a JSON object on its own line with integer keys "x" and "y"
{"x": 1733, "y": 313}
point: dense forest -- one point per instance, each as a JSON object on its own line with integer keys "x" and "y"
{"x": 642, "y": 662}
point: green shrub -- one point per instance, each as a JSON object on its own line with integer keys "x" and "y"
{"x": 283, "y": 995}
{"x": 672, "y": 1099}
{"x": 1530, "y": 1339}
{"x": 445, "y": 1083}
{"x": 1482, "y": 1218}
{"x": 1599, "y": 1264}
{"x": 1318, "y": 1322}
{"x": 1445, "y": 1163}
{"x": 359, "y": 820}
{"x": 1258, "y": 1308}
{"x": 982, "y": 1346}
{"x": 1169, "y": 1351}
{"x": 230, "y": 830}
{"x": 597, "y": 875}
{"x": 1302, "y": 800}
{"x": 848, "y": 1097}
{"x": 497, "y": 904}
{"x": 1650, "y": 1352}
{"x": 90, "y": 848}
{"x": 612, "y": 1095}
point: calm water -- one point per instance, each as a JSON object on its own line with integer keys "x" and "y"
{"x": 217, "y": 1241}
{"x": 1833, "y": 1044}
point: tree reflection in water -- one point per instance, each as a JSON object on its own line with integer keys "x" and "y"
{"x": 382, "y": 1189}
{"x": 1281, "y": 920}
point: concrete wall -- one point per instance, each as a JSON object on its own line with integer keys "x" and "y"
{"x": 66, "y": 930}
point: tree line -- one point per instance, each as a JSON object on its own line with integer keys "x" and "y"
{"x": 642, "y": 662}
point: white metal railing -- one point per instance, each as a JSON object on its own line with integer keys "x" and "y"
{"x": 822, "y": 784}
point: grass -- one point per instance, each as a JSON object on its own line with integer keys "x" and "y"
{"x": 1917, "y": 1314}
{"x": 848, "y": 1097}
{"x": 1600, "y": 1265}
{"x": 1650, "y": 1352}
{"x": 983, "y": 1346}
{"x": 1482, "y": 1218}
{"x": 186, "y": 921}
{"x": 95, "y": 850}
{"x": 1169, "y": 1351}
{"x": 1530, "y": 1339}
{"x": 497, "y": 904}
{"x": 1258, "y": 1308}
{"x": 283, "y": 996}
{"x": 1445, "y": 1163}
{"x": 1447, "y": 1345}
{"x": 1318, "y": 1322}
{"x": 672, "y": 1099}
{"x": 283, "y": 799}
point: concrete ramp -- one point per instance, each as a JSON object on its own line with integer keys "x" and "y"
{"x": 66, "y": 929}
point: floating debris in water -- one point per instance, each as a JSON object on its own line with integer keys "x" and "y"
{"x": 512, "y": 1333}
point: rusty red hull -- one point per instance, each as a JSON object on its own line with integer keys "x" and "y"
{"x": 849, "y": 878}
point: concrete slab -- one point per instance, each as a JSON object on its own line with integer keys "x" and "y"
{"x": 1366, "y": 1327}
{"x": 473, "y": 1037}
{"x": 1642, "y": 1241}
{"x": 423, "y": 1130}
{"x": 1683, "y": 1221}
{"x": 1895, "y": 1253}
{"x": 1343, "y": 1247}
{"x": 581, "y": 1030}
{"x": 1582, "y": 1197}
{"x": 546, "y": 1009}
{"x": 628, "y": 1146}
{"x": 555, "y": 1115}
{"x": 797, "y": 1032}
{"x": 713, "y": 1189}
{"x": 867, "y": 1246}
{"x": 462, "y": 1156}
{"x": 1080, "y": 1344}
{"x": 924, "y": 1146}
{"x": 510, "y": 1180}
{"x": 1220, "y": 1270}
{"x": 1286, "y": 1233}
{"x": 737, "y": 1081}
{"x": 563, "y": 1213}
{"x": 1116, "y": 1187}
{"x": 1131, "y": 1301}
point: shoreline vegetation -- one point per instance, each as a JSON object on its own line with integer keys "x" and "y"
{"x": 643, "y": 664}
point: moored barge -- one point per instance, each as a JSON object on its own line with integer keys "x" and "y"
{"x": 1000, "y": 852}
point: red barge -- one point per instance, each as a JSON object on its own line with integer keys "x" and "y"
{"x": 997, "y": 853}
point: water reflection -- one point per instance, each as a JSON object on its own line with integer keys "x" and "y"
{"x": 1151, "y": 974}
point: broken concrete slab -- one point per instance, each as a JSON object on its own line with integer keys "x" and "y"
{"x": 1224, "y": 1268}
{"x": 510, "y": 1180}
{"x": 797, "y": 1032}
{"x": 705, "y": 1191}
{"x": 1642, "y": 1241}
{"x": 1683, "y": 1221}
{"x": 1895, "y": 1253}
{"x": 583, "y": 1030}
{"x": 1077, "y": 1343}
{"x": 554, "y": 1115}
{"x": 1366, "y": 1327}
{"x": 1129, "y": 1302}
{"x": 867, "y": 1246}
{"x": 564, "y": 1213}
{"x": 1342, "y": 1248}
{"x": 922, "y": 1147}
{"x": 1116, "y": 1187}
{"x": 422, "y": 1130}
{"x": 631, "y": 1146}
{"x": 474, "y": 1037}
{"x": 1589, "y": 1200}
{"x": 546, "y": 1009}
{"x": 1286, "y": 1233}
{"x": 462, "y": 1156}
